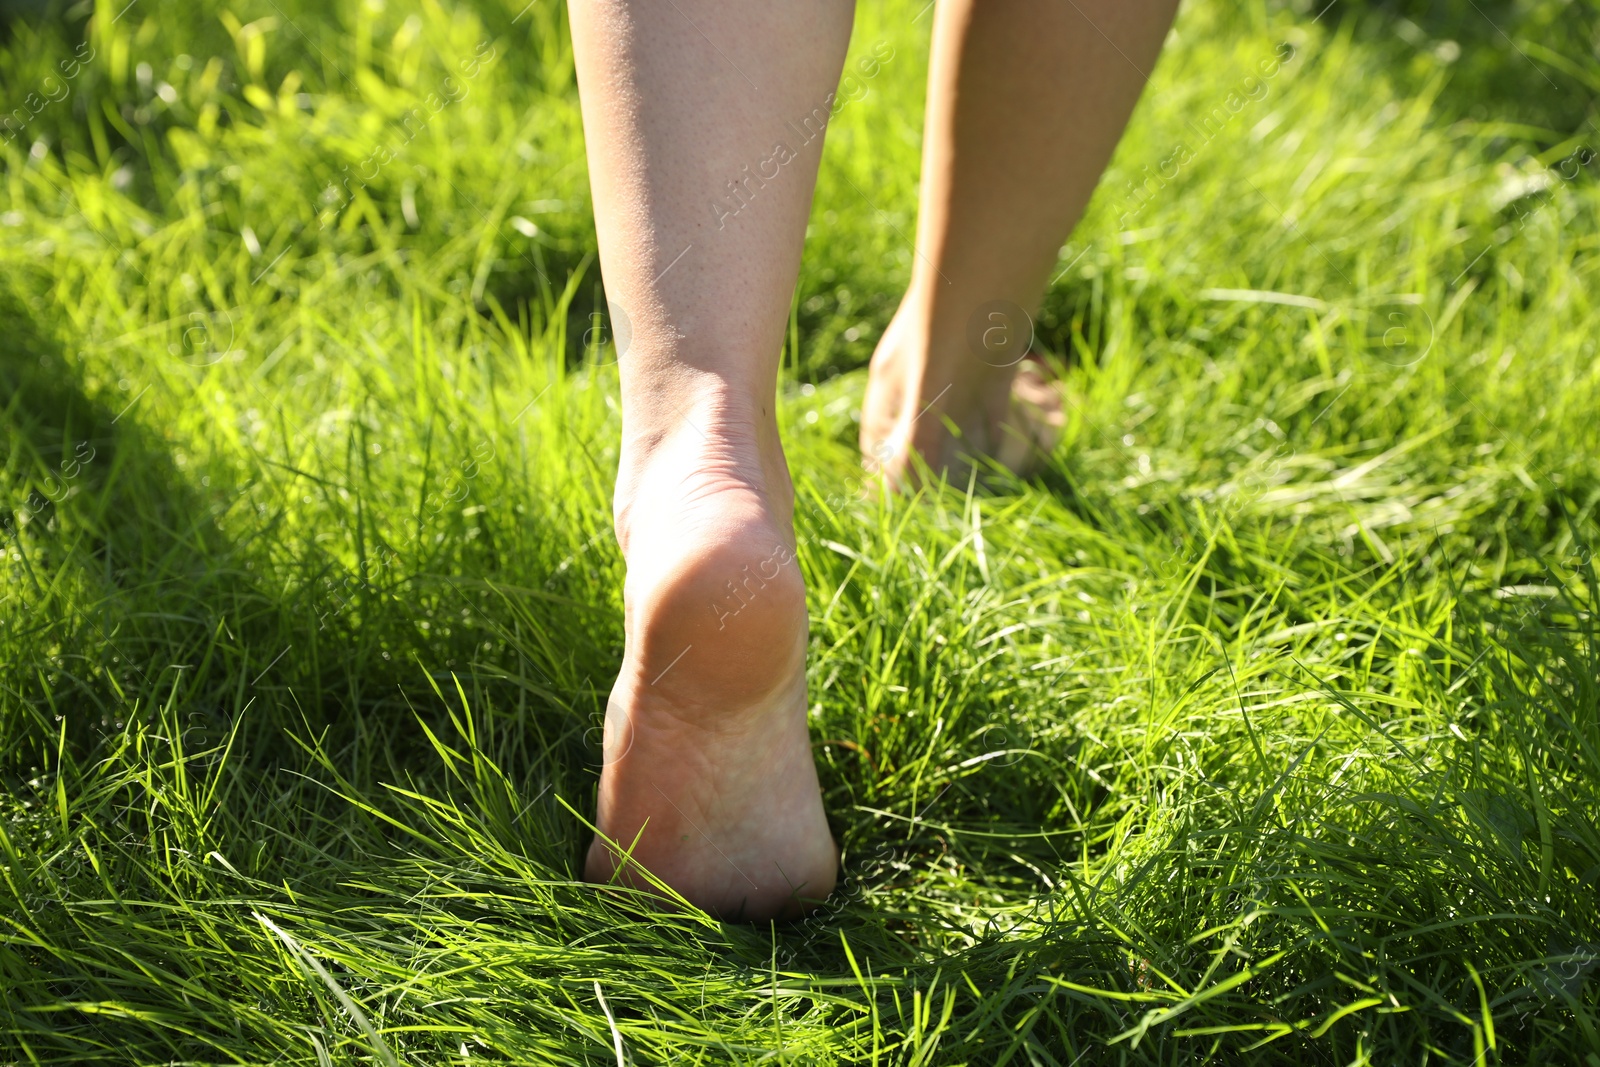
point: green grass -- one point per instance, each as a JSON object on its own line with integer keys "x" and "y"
{"x": 1264, "y": 727}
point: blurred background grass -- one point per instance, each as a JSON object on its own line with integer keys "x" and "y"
{"x": 1264, "y": 727}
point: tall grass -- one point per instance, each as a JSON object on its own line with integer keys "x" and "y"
{"x": 1263, "y": 727}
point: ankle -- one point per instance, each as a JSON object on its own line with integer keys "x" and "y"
{"x": 962, "y": 344}
{"x": 680, "y": 449}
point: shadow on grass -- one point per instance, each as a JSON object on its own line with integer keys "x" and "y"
{"x": 130, "y": 586}
{"x": 1530, "y": 64}
{"x": 144, "y": 585}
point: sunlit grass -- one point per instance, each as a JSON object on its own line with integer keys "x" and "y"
{"x": 1264, "y": 725}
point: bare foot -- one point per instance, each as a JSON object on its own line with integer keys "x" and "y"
{"x": 1002, "y": 403}
{"x": 708, "y": 779}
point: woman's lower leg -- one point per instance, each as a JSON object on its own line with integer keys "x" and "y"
{"x": 704, "y": 121}
{"x": 1026, "y": 101}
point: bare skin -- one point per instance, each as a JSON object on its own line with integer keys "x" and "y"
{"x": 708, "y": 772}
{"x": 704, "y": 123}
{"x": 1026, "y": 101}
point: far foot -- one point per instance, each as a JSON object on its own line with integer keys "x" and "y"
{"x": 708, "y": 776}
{"x": 1002, "y": 404}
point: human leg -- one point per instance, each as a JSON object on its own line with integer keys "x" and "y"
{"x": 704, "y": 124}
{"x": 1026, "y": 100}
